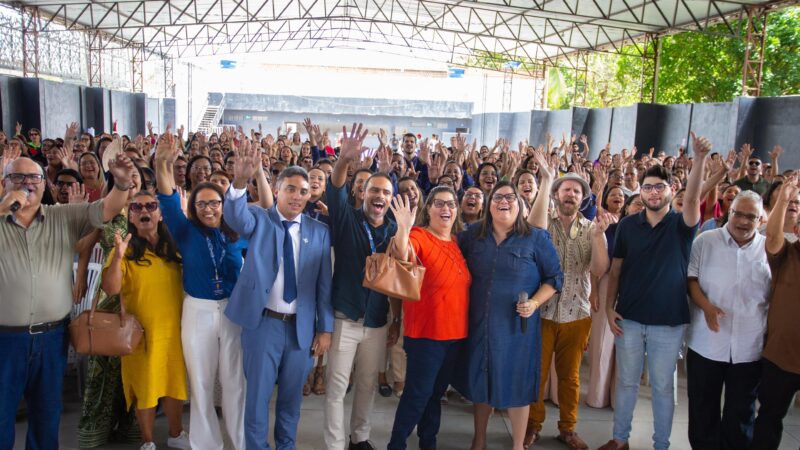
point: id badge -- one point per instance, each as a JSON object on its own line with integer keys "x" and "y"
{"x": 216, "y": 286}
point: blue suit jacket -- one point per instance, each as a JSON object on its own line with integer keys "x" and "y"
{"x": 264, "y": 231}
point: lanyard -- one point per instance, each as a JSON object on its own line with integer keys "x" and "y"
{"x": 369, "y": 235}
{"x": 214, "y": 258}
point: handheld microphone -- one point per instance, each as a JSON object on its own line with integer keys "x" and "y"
{"x": 16, "y": 205}
{"x": 522, "y": 297}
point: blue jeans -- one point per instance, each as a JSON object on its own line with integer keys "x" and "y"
{"x": 428, "y": 373}
{"x": 662, "y": 344}
{"x": 32, "y": 365}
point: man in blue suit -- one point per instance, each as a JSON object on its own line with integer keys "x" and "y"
{"x": 284, "y": 323}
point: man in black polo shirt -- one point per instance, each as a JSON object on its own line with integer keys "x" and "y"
{"x": 360, "y": 328}
{"x": 649, "y": 273}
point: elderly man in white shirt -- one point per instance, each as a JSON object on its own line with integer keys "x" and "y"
{"x": 729, "y": 282}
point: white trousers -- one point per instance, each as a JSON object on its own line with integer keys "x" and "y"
{"x": 366, "y": 347}
{"x": 212, "y": 346}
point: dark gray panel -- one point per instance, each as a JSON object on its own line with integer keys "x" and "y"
{"x": 623, "y": 128}
{"x": 776, "y": 123}
{"x": 10, "y": 103}
{"x": 745, "y": 120}
{"x": 96, "y": 113}
{"x": 598, "y": 130}
{"x": 60, "y": 106}
{"x": 648, "y": 126}
{"x": 30, "y": 109}
{"x": 522, "y": 127}
{"x": 558, "y": 124}
{"x": 123, "y": 112}
{"x": 167, "y": 112}
{"x": 717, "y": 122}
{"x": 673, "y": 127}
{"x": 579, "y": 118}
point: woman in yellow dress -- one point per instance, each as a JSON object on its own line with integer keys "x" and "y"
{"x": 145, "y": 269}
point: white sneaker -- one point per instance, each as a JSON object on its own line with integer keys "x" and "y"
{"x": 182, "y": 441}
{"x": 148, "y": 446}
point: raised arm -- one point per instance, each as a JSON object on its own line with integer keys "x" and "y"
{"x": 788, "y": 193}
{"x": 691, "y": 200}
{"x": 350, "y": 150}
{"x": 404, "y": 216}
{"x": 122, "y": 168}
{"x": 538, "y": 215}
{"x": 166, "y": 153}
{"x": 112, "y": 275}
{"x": 235, "y": 211}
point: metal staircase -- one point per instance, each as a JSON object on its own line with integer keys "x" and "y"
{"x": 211, "y": 117}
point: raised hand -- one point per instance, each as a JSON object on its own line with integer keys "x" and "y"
{"x": 701, "y": 146}
{"x": 150, "y": 127}
{"x": 77, "y": 194}
{"x": 403, "y": 213}
{"x": 382, "y": 137}
{"x": 166, "y": 149}
{"x": 776, "y": 152}
{"x": 18, "y": 129}
{"x": 790, "y": 189}
{"x": 351, "y": 146}
{"x": 9, "y": 155}
{"x": 384, "y": 159}
{"x": 122, "y": 168}
{"x": 425, "y": 151}
{"x": 120, "y": 244}
{"x": 65, "y": 155}
{"x": 602, "y": 221}
{"x": 546, "y": 170}
{"x": 246, "y": 164}
{"x": 71, "y": 131}
{"x": 308, "y": 125}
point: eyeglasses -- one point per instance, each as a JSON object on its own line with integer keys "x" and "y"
{"x": 660, "y": 187}
{"x": 741, "y": 215}
{"x": 138, "y": 207}
{"x": 439, "y": 204}
{"x": 213, "y": 204}
{"x": 754, "y": 163}
{"x": 61, "y": 183}
{"x": 475, "y": 195}
{"x": 31, "y": 178}
{"x": 497, "y": 198}
{"x": 201, "y": 169}
{"x": 276, "y": 171}
{"x": 33, "y": 134}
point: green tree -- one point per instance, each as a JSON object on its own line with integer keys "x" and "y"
{"x": 694, "y": 67}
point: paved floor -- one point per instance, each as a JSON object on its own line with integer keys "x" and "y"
{"x": 456, "y": 432}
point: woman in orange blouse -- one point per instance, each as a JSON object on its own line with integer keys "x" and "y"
{"x": 436, "y": 325}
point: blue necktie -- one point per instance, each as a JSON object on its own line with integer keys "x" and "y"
{"x": 289, "y": 279}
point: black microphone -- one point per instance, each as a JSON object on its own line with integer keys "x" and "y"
{"x": 16, "y": 205}
{"x": 522, "y": 297}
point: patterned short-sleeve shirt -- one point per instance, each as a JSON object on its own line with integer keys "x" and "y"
{"x": 575, "y": 254}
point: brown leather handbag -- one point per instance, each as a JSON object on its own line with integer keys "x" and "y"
{"x": 105, "y": 333}
{"x": 393, "y": 276}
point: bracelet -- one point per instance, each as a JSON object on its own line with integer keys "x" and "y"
{"x": 124, "y": 189}
{"x": 396, "y": 320}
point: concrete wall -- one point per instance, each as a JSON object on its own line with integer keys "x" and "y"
{"x": 623, "y": 128}
{"x": 61, "y": 105}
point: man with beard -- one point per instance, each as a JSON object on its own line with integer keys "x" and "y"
{"x": 419, "y": 165}
{"x": 360, "y": 325}
{"x": 649, "y": 272}
{"x": 566, "y": 318}
{"x": 729, "y": 321}
{"x": 753, "y": 181}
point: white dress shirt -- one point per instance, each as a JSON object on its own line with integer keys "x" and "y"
{"x": 737, "y": 280}
{"x": 275, "y": 300}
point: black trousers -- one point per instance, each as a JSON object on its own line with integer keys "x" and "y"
{"x": 705, "y": 380}
{"x": 775, "y": 397}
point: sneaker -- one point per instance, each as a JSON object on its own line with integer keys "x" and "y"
{"x": 181, "y": 441}
{"x": 148, "y": 446}
{"x": 364, "y": 445}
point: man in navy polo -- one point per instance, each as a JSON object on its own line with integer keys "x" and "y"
{"x": 648, "y": 280}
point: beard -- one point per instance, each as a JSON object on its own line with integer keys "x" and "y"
{"x": 567, "y": 210}
{"x": 664, "y": 202}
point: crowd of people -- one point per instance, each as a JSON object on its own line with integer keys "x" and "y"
{"x": 243, "y": 257}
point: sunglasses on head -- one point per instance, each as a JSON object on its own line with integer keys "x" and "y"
{"x": 138, "y": 207}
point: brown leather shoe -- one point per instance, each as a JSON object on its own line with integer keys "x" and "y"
{"x": 531, "y": 436}
{"x": 573, "y": 441}
{"x": 613, "y": 445}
